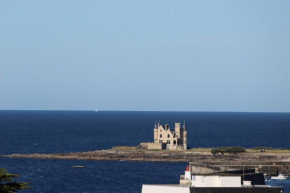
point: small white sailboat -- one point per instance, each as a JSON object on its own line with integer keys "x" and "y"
{"x": 96, "y": 110}
{"x": 279, "y": 177}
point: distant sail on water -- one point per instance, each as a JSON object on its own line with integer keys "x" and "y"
{"x": 96, "y": 110}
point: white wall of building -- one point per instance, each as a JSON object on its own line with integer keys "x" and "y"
{"x": 216, "y": 181}
{"x": 213, "y": 181}
{"x": 198, "y": 181}
{"x": 231, "y": 181}
{"x": 165, "y": 189}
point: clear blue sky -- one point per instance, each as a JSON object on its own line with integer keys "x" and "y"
{"x": 145, "y": 55}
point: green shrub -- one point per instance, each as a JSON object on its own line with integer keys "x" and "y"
{"x": 229, "y": 150}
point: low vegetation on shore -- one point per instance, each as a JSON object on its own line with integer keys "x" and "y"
{"x": 229, "y": 150}
{"x": 124, "y": 148}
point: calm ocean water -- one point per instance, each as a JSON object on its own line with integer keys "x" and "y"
{"x": 73, "y": 131}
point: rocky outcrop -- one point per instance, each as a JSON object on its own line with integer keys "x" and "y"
{"x": 158, "y": 156}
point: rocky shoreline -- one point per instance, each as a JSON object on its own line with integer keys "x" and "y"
{"x": 159, "y": 156}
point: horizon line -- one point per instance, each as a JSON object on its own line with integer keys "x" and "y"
{"x": 145, "y": 111}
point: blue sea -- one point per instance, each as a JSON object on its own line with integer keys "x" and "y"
{"x": 75, "y": 131}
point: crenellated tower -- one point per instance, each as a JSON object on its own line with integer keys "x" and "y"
{"x": 184, "y": 136}
{"x": 155, "y": 133}
{"x": 177, "y": 129}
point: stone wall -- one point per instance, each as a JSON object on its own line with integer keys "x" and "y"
{"x": 156, "y": 146}
{"x": 144, "y": 145}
